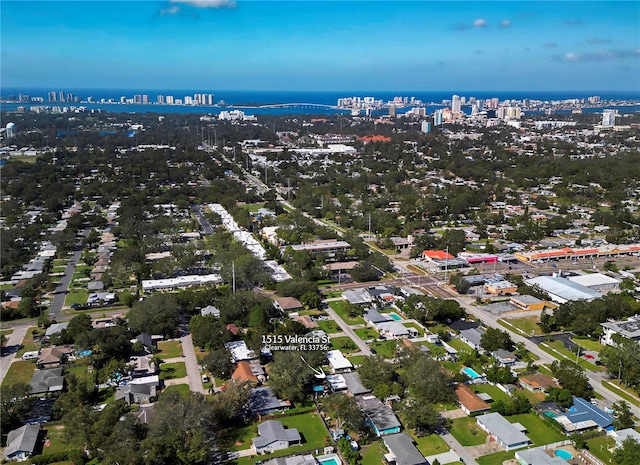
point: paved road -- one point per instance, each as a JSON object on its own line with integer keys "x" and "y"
{"x": 595, "y": 378}
{"x": 13, "y": 342}
{"x": 191, "y": 362}
{"x": 55, "y": 311}
{"x": 206, "y": 227}
{"x": 349, "y": 332}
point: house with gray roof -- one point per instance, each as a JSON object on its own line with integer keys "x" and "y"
{"x": 354, "y": 383}
{"x": 402, "y": 450}
{"x": 56, "y": 328}
{"x": 472, "y": 337}
{"x": 380, "y": 417}
{"x": 21, "y": 443}
{"x": 262, "y": 401}
{"x": 356, "y": 296}
{"x": 538, "y": 456}
{"x": 210, "y": 310}
{"x": 45, "y": 381}
{"x": 273, "y": 436}
{"x": 503, "y": 432}
{"x": 374, "y": 317}
{"x": 136, "y": 393}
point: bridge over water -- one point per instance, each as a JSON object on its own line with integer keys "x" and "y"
{"x": 301, "y": 105}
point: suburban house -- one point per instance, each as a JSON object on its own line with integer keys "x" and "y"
{"x": 355, "y": 297}
{"x": 146, "y": 340}
{"x": 374, "y": 317}
{"x": 395, "y": 330}
{"x": 402, "y": 450}
{"x": 55, "y": 328}
{"x": 287, "y": 304}
{"x": 629, "y": 329}
{"x": 21, "y": 443}
{"x": 45, "y": 381}
{"x": 338, "y": 362}
{"x": 504, "y": 357}
{"x": 380, "y": 417}
{"x": 336, "y": 383}
{"x": 52, "y": 357}
{"x": 272, "y": 436}
{"x": 240, "y": 351}
{"x": 621, "y": 435}
{"x": 472, "y": 337}
{"x": 582, "y": 416}
{"x": 537, "y": 456}
{"x": 469, "y": 401}
{"x": 504, "y": 433}
{"x": 537, "y": 382}
{"x": 136, "y": 393}
{"x": 249, "y": 371}
{"x": 262, "y": 401}
{"x": 210, "y": 310}
{"x": 354, "y": 383}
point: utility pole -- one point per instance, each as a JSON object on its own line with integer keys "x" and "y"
{"x": 446, "y": 265}
{"x": 369, "y": 226}
{"x": 233, "y": 276}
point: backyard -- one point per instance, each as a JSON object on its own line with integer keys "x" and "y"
{"x": 344, "y": 344}
{"x": 329, "y": 326}
{"x": 173, "y": 370}
{"x": 341, "y": 308}
{"x": 430, "y": 445}
{"x": 537, "y": 431}
{"x": 496, "y": 459}
{"x": 19, "y": 372}
{"x": 467, "y": 432}
{"x": 386, "y": 349}
{"x": 169, "y": 349}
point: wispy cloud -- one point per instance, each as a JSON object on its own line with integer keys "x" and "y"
{"x": 207, "y": 3}
{"x": 597, "y": 40}
{"x": 480, "y": 23}
{"x": 550, "y": 44}
{"x": 479, "y": 52}
{"x": 602, "y": 55}
{"x": 172, "y": 10}
{"x": 573, "y": 22}
{"x": 505, "y": 23}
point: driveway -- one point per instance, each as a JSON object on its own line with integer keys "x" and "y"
{"x": 12, "y": 346}
{"x": 191, "y": 362}
{"x": 349, "y": 331}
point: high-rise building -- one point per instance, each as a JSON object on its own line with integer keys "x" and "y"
{"x": 437, "y": 118}
{"x": 52, "y": 96}
{"x": 609, "y": 117}
{"x": 425, "y": 127}
{"x": 169, "y": 99}
{"x": 145, "y": 99}
{"x": 61, "y": 96}
{"x": 392, "y": 110}
{"x": 456, "y": 104}
{"x": 10, "y": 130}
{"x": 161, "y": 99}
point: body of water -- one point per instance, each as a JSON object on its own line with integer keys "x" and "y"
{"x": 247, "y": 101}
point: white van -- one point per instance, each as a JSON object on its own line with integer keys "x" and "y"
{"x": 205, "y": 379}
{"x": 30, "y": 355}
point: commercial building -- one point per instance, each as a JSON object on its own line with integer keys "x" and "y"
{"x": 527, "y": 303}
{"x": 596, "y": 281}
{"x": 629, "y": 329}
{"x": 562, "y": 290}
{"x": 501, "y": 288}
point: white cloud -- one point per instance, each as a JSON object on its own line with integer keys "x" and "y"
{"x": 505, "y": 23}
{"x": 480, "y": 23}
{"x": 172, "y": 10}
{"x": 550, "y": 44}
{"x": 207, "y": 3}
{"x": 602, "y": 55}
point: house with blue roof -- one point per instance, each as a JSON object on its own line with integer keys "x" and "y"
{"x": 582, "y": 415}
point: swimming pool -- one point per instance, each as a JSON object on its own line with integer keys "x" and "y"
{"x": 396, "y": 317}
{"x": 471, "y": 373}
{"x": 563, "y": 454}
{"x": 332, "y": 459}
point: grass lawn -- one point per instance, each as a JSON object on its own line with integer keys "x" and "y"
{"x": 526, "y": 325}
{"x": 78, "y": 370}
{"x": 599, "y": 447}
{"x": 496, "y": 459}
{"x": 60, "y": 262}
{"x": 628, "y": 396}
{"x": 19, "y": 372}
{"x": 534, "y": 397}
{"x": 252, "y": 207}
{"x": 344, "y": 344}
{"x": 340, "y": 307}
{"x": 6, "y": 332}
{"x": 76, "y": 296}
{"x": 356, "y": 359}
{"x": 27, "y": 343}
{"x": 182, "y": 389}
{"x": 467, "y": 432}
{"x": 173, "y": 370}
{"x": 458, "y": 344}
{"x": 54, "y": 433}
{"x": 169, "y": 349}
{"x": 373, "y": 453}
{"x": 329, "y": 326}
{"x": 556, "y": 347}
{"x": 537, "y": 431}
{"x": 367, "y": 333}
{"x": 312, "y": 312}
{"x": 416, "y": 327}
{"x": 588, "y": 344}
{"x": 386, "y": 349}
{"x": 493, "y": 391}
{"x": 431, "y": 445}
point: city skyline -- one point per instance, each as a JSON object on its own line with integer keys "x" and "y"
{"x": 306, "y": 45}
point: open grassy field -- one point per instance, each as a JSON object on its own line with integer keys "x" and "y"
{"x": 173, "y": 370}
{"x": 537, "y": 431}
{"x": 588, "y": 344}
{"x": 493, "y": 391}
{"x": 467, "y": 432}
{"x": 356, "y": 359}
{"x": 340, "y": 307}
{"x": 527, "y": 325}
{"x": 367, "y": 333}
{"x": 416, "y": 327}
{"x": 20, "y": 371}
{"x": 169, "y": 349}
{"x": 76, "y": 296}
{"x": 430, "y": 445}
{"x": 373, "y": 453}
{"x": 386, "y": 349}
{"x": 182, "y": 389}
{"x": 496, "y": 459}
{"x": 329, "y": 326}
{"x": 625, "y": 394}
{"x": 344, "y": 344}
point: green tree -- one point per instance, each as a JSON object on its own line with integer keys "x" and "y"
{"x": 623, "y": 416}
{"x": 156, "y": 314}
{"x": 423, "y": 417}
{"x": 493, "y": 339}
{"x": 15, "y": 403}
{"x": 572, "y": 378}
{"x": 289, "y": 375}
{"x": 218, "y": 362}
{"x": 629, "y": 453}
{"x": 344, "y": 409}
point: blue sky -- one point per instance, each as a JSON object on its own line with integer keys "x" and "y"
{"x": 308, "y": 45}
